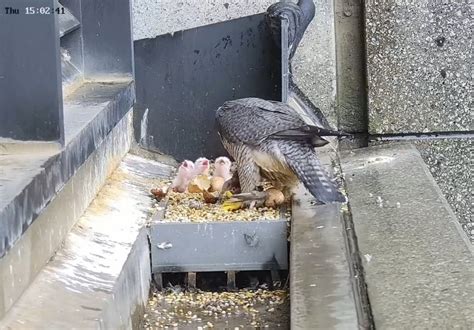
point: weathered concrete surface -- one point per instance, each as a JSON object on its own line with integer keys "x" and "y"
{"x": 30, "y": 181}
{"x": 320, "y": 280}
{"x": 42, "y": 239}
{"x": 418, "y": 266}
{"x": 419, "y": 56}
{"x": 153, "y": 18}
{"x": 100, "y": 277}
{"x": 450, "y": 163}
{"x": 313, "y": 65}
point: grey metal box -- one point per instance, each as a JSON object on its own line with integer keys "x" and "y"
{"x": 219, "y": 246}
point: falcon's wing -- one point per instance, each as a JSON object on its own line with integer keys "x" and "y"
{"x": 251, "y": 121}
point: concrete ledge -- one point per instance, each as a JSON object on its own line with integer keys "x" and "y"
{"x": 43, "y": 238}
{"x": 418, "y": 266}
{"x": 29, "y": 181}
{"x": 100, "y": 278}
{"x": 320, "y": 279}
{"x": 125, "y": 306}
{"x": 14, "y": 147}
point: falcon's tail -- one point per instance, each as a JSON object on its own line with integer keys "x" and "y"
{"x": 303, "y": 161}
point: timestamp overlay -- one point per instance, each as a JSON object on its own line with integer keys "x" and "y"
{"x": 32, "y": 7}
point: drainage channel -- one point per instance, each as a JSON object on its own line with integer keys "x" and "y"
{"x": 256, "y": 301}
{"x": 225, "y": 273}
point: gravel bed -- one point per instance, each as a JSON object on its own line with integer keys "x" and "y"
{"x": 244, "y": 309}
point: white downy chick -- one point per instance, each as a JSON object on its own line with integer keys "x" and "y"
{"x": 183, "y": 177}
{"x": 201, "y": 167}
{"x": 222, "y": 168}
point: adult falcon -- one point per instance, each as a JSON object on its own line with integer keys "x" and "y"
{"x": 269, "y": 139}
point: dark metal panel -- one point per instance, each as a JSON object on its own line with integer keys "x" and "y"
{"x": 219, "y": 246}
{"x": 30, "y": 73}
{"x": 106, "y": 28}
{"x": 183, "y": 78}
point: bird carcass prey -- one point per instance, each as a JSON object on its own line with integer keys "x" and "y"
{"x": 269, "y": 139}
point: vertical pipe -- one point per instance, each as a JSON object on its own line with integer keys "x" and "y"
{"x": 285, "y": 61}
{"x": 351, "y": 96}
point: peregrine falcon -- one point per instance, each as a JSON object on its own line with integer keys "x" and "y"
{"x": 269, "y": 139}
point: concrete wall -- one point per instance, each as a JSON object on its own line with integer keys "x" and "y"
{"x": 314, "y": 62}
{"x": 419, "y": 64}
